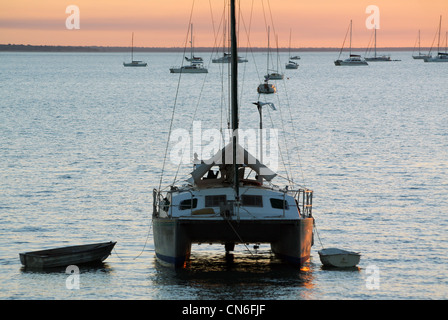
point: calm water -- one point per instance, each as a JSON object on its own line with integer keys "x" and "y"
{"x": 82, "y": 141}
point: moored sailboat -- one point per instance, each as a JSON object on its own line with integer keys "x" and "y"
{"x": 353, "y": 59}
{"x": 196, "y": 63}
{"x": 134, "y": 63}
{"x": 375, "y": 56}
{"x": 220, "y": 204}
{"x": 420, "y": 55}
{"x": 441, "y": 56}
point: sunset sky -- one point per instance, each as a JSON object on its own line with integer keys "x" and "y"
{"x": 156, "y": 23}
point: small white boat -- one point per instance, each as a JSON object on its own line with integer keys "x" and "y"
{"x": 333, "y": 257}
{"x": 291, "y": 65}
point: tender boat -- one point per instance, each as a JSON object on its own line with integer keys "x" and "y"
{"x": 333, "y": 257}
{"x": 64, "y": 256}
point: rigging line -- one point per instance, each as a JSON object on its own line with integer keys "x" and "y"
{"x": 343, "y": 43}
{"x": 294, "y": 132}
{"x": 278, "y": 145}
{"x": 239, "y": 237}
{"x": 288, "y": 165}
{"x": 175, "y": 103}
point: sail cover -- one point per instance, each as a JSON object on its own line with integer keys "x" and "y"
{"x": 225, "y": 157}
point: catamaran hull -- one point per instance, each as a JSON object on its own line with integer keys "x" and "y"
{"x": 291, "y": 240}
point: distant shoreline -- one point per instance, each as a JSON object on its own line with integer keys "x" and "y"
{"x": 45, "y": 48}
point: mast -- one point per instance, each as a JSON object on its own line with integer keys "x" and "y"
{"x": 419, "y": 42}
{"x": 234, "y": 94}
{"x": 132, "y": 47}
{"x": 350, "y": 37}
{"x": 375, "y": 41}
{"x": 191, "y": 42}
{"x": 438, "y": 42}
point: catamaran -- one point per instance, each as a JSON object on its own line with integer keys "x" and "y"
{"x": 353, "y": 59}
{"x": 221, "y": 204}
{"x": 441, "y": 56}
{"x": 196, "y": 63}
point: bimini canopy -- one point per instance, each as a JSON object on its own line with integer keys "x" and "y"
{"x": 224, "y": 158}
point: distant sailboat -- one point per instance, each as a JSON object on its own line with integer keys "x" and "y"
{"x": 441, "y": 56}
{"x": 134, "y": 63}
{"x": 266, "y": 87}
{"x": 291, "y": 64}
{"x": 420, "y": 54}
{"x": 353, "y": 59}
{"x": 195, "y": 62}
{"x": 377, "y": 57}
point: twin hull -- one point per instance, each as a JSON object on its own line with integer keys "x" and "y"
{"x": 290, "y": 239}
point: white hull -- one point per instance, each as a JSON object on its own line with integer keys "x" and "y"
{"x": 135, "y": 64}
{"x": 438, "y": 58}
{"x": 349, "y": 62}
{"x": 423, "y": 56}
{"x": 189, "y": 69}
{"x": 227, "y": 59}
{"x": 291, "y": 240}
{"x": 291, "y": 65}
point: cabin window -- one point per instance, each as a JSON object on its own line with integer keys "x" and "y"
{"x": 279, "y": 204}
{"x": 186, "y": 204}
{"x": 215, "y": 201}
{"x": 252, "y": 201}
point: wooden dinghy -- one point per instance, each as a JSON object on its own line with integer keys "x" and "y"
{"x": 333, "y": 257}
{"x": 64, "y": 256}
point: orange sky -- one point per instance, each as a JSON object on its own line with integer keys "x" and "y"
{"x": 164, "y": 23}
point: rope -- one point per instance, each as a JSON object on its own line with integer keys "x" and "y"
{"x": 175, "y": 102}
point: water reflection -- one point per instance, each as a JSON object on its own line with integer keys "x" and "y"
{"x": 99, "y": 267}
{"x": 217, "y": 275}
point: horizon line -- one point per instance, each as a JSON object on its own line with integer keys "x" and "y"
{"x": 94, "y": 48}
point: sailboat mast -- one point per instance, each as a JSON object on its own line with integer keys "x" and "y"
{"x": 350, "y": 37}
{"x": 234, "y": 94}
{"x": 375, "y": 41}
{"x": 191, "y": 42}
{"x": 132, "y": 47}
{"x": 440, "y": 27}
{"x": 267, "y": 64}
